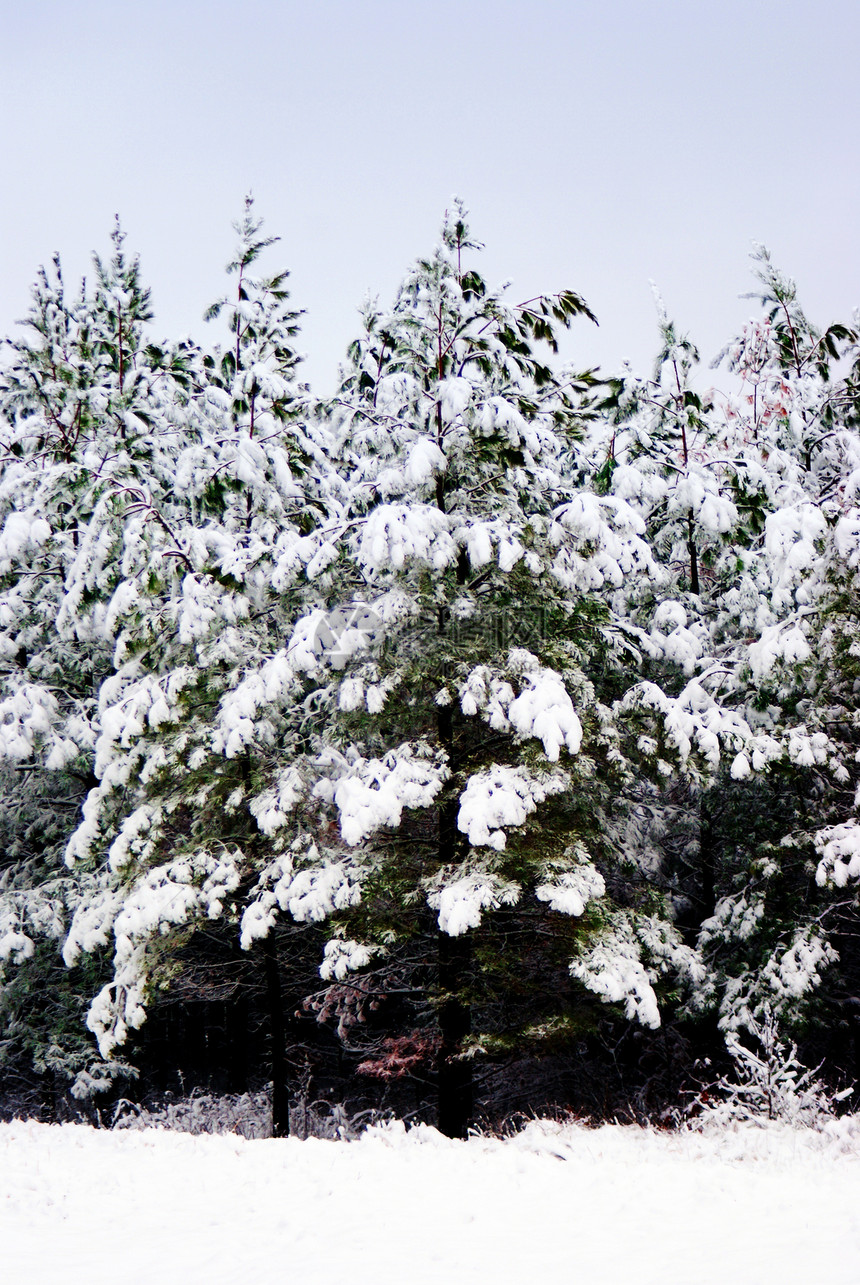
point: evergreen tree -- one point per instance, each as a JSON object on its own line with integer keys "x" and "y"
{"x": 470, "y": 740}
{"x": 187, "y": 800}
{"x": 88, "y": 409}
{"x": 771, "y": 460}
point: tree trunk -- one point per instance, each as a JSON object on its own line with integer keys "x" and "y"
{"x": 280, "y": 1086}
{"x": 707, "y": 859}
{"x": 694, "y": 555}
{"x": 454, "y": 954}
{"x": 456, "y": 1095}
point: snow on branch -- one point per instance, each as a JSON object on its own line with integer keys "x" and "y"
{"x": 396, "y": 533}
{"x": 21, "y": 534}
{"x": 503, "y": 796}
{"x": 613, "y": 969}
{"x": 27, "y": 717}
{"x": 691, "y": 722}
{"x": 570, "y": 884}
{"x": 462, "y": 895}
{"x": 170, "y": 895}
{"x": 303, "y": 883}
{"x": 342, "y": 957}
{"x": 238, "y": 721}
{"x": 543, "y": 709}
{"x": 599, "y": 540}
{"x": 839, "y": 849}
{"x": 622, "y": 965}
{"x": 372, "y": 793}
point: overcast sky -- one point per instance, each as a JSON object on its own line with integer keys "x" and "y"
{"x": 597, "y": 145}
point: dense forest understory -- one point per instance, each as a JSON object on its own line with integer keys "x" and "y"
{"x": 481, "y": 740}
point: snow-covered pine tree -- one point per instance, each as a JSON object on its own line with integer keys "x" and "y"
{"x": 191, "y": 788}
{"x": 768, "y": 1083}
{"x": 87, "y": 406}
{"x": 257, "y": 367}
{"x": 669, "y": 456}
{"x": 774, "y": 934}
{"x": 796, "y": 420}
{"x": 771, "y": 462}
{"x": 467, "y": 745}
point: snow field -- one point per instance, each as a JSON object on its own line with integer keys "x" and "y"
{"x": 557, "y": 1204}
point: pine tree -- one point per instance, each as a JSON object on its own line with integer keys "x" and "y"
{"x": 467, "y": 745}
{"x": 87, "y": 412}
{"x": 761, "y": 629}
{"x": 190, "y": 790}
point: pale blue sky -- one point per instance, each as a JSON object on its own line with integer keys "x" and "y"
{"x": 596, "y": 145}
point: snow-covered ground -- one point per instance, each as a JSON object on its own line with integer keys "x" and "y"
{"x": 555, "y": 1205}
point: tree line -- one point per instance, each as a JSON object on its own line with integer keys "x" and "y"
{"x": 481, "y": 738}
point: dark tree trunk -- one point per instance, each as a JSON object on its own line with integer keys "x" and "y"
{"x": 455, "y": 1103}
{"x": 694, "y": 555}
{"x": 454, "y": 1073}
{"x": 280, "y": 1086}
{"x": 456, "y": 1095}
{"x": 707, "y": 859}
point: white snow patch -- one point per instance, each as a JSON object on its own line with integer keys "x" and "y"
{"x": 754, "y": 1204}
{"x": 503, "y": 796}
{"x": 461, "y": 901}
{"x": 372, "y": 793}
{"x": 569, "y": 891}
